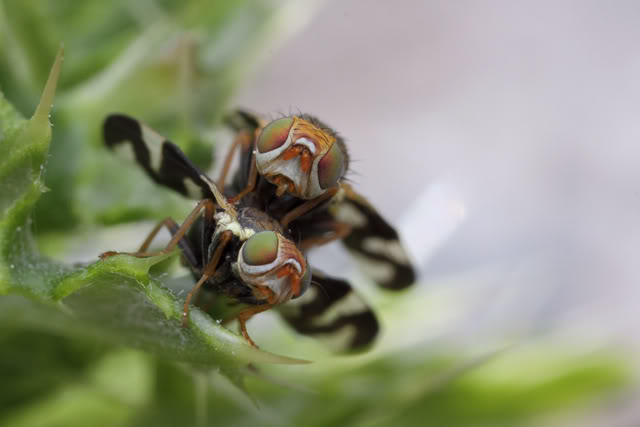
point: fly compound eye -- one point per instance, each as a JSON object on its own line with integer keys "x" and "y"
{"x": 274, "y": 134}
{"x": 260, "y": 249}
{"x": 273, "y": 267}
{"x": 330, "y": 167}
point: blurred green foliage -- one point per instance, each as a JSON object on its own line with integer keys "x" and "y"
{"x": 172, "y": 64}
{"x": 101, "y": 345}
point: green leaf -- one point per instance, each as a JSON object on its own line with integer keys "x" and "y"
{"x": 115, "y": 300}
{"x": 172, "y": 64}
{"x": 89, "y": 388}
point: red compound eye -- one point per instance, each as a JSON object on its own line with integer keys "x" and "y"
{"x": 330, "y": 167}
{"x": 274, "y": 134}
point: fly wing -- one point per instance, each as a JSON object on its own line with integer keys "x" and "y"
{"x": 333, "y": 312}
{"x": 373, "y": 241}
{"x": 162, "y": 160}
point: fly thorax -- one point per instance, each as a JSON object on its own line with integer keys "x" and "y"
{"x": 225, "y": 222}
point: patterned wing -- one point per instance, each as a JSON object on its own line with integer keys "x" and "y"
{"x": 334, "y": 313}
{"x": 372, "y": 241}
{"x": 162, "y": 160}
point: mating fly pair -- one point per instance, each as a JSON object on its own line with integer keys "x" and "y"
{"x": 248, "y": 240}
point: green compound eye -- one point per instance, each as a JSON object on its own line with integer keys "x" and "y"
{"x": 330, "y": 167}
{"x": 274, "y": 134}
{"x": 261, "y": 248}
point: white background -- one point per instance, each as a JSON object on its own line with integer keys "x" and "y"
{"x": 502, "y": 137}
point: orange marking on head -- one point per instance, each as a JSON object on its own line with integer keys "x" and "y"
{"x": 284, "y": 271}
{"x": 291, "y": 153}
{"x": 288, "y": 270}
{"x": 306, "y": 162}
{"x": 295, "y": 284}
{"x": 322, "y": 139}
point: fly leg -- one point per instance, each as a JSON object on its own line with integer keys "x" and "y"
{"x": 247, "y": 128}
{"x": 173, "y": 228}
{"x": 305, "y": 207}
{"x": 242, "y": 139}
{"x": 251, "y": 182}
{"x": 248, "y": 313}
{"x": 334, "y": 231}
{"x": 208, "y": 272}
{"x": 178, "y": 235}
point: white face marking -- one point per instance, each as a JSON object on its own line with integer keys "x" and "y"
{"x": 290, "y": 169}
{"x": 281, "y": 287}
{"x": 295, "y": 264}
{"x": 347, "y": 213}
{"x": 389, "y": 248}
{"x": 154, "y": 143}
{"x": 193, "y": 190}
{"x": 307, "y": 184}
{"x": 307, "y": 143}
{"x": 256, "y": 270}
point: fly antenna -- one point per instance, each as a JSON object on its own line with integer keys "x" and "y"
{"x": 220, "y": 199}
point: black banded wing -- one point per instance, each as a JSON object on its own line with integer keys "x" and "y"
{"x": 373, "y": 241}
{"x": 162, "y": 160}
{"x": 334, "y": 313}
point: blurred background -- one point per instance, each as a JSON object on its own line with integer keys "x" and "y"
{"x": 500, "y": 137}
